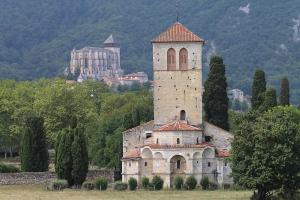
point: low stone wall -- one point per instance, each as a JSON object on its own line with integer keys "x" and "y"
{"x": 43, "y": 177}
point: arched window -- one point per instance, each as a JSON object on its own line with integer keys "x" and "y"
{"x": 178, "y": 141}
{"x": 171, "y": 59}
{"x": 183, "y": 59}
{"x": 182, "y": 115}
{"x": 178, "y": 164}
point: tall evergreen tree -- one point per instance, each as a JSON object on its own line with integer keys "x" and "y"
{"x": 64, "y": 162}
{"x": 269, "y": 100}
{"x": 285, "y": 92}
{"x": 215, "y": 94}
{"x": 80, "y": 157}
{"x": 72, "y": 154}
{"x": 258, "y": 88}
{"x": 34, "y": 152}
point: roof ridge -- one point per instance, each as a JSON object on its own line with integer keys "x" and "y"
{"x": 177, "y": 33}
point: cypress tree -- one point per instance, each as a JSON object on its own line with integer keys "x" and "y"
{"x": 269, "y": 100}
{"x": 64, "y": 161}
{"x": 80, "y": 157}
{"x": 215, "y": 94}
{"x": 285, "y": 92}
{"x": 72, "y": 155}
{"x": 34, "y": 152}
{"x": 258, "y": 88}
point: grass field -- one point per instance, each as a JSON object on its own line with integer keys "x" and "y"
{"x": 37, "y": 192}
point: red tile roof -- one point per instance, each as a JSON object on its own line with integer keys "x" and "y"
{"x": 177, "y": 126}
{"x": 177, "y": 33}
{"x": 223, "y": 153}
{"x": 132, "y": 154}
{"x": 178, "y": 146}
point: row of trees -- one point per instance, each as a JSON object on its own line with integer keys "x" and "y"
{"x": 263, "y": 97}
{"x": 266, "y": 146}
{"x": 103, "y": 114}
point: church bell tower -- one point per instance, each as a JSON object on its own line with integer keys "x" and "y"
{"x": 177, "y": 70}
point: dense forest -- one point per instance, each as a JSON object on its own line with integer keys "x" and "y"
{"x": 103, "y": 113}
{"x": 36, "y": 37}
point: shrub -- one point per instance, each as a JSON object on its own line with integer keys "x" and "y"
{"x": 57, "y": 185}
{"x": 157, "y": 183}
{"x": 191, "y": 182}
{"x": 132, "y": 183}
{"x": 8, "y": 168}
{"x": 101, "y": 183}
{"x": 145, "y": 182}
{"x": 226, "y": 186}
{"x": 120, "y": 186}
{"x": 178, "y": 182}
{"x": 88, "y": 185}
{"x": 204, "y": 183}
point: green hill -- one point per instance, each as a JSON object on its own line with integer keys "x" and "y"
{"x": 37, "y": 36}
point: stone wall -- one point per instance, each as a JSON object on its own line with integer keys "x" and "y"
{"x": 43, "y": 177}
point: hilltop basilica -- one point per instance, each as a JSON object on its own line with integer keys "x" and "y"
{"x": 177, "y": 142}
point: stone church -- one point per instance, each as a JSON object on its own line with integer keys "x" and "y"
{"x": 97, "y": 63}
{"x": 177, "y": 142}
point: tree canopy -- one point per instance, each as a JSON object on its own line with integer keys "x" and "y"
{"x": 266, "y": 152}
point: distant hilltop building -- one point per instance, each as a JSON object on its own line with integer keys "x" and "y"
{"x": 97, "y": 63}
{"x": 237, "y": 95}
{"x": 129, "y": 79}
{"x": 101, "y": 64}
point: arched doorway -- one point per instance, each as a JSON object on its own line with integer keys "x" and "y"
{"x": 177, "y": 167}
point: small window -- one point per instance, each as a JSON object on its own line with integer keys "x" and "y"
{"x": 182, "y": 115}
{"x": 208, "y": 164}
{"x": 178, "y": 141}
{"x": 178, "y": 164}
{"x": 197, "y": 140}
{"x": 157, "y": 141}
{"x": 197, "y": 161}
{"x": 183, "y": 59}
{"x": 208, "y": 139}
{"x": 225, "y": 164}
{"x": 146, "y": 164}
{"x": 148, "y": 135}
{"x": 171, "y": 59}
{"x": 129, "y": 164}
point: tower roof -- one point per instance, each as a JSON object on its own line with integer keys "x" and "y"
{"x": 177, "y": 33}
{"x": 109, "y": 40}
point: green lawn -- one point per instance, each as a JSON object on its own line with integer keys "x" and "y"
{"x": 38, "y": 193}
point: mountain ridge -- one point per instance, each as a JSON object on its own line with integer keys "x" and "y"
{"x": 37, "y": 37}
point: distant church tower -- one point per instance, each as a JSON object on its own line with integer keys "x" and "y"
{"x": 177, "y": 67}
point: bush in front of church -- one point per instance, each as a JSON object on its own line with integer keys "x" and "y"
{"x": 120, "y": 186}
{"x": 178, "y": 182}
{"x": 204, "y": 183}
{"x": 145, "y": 182}
{"x": 101, "y": 184}
{"x": 191, "y": 182}
{"x": 132, "y": 183}
{"x": 157, "y": 183}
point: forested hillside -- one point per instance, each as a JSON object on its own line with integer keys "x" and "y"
{"x": 36, "y": 36}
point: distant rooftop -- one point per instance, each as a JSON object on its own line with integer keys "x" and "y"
{"x": 110, "y": 41}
